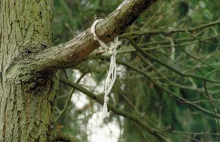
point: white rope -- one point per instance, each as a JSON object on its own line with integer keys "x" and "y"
{"x": 110, "y": 80}
{"x": 104, "y": 47}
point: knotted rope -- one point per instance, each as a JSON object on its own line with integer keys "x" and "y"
{"x": 110, "y": 80}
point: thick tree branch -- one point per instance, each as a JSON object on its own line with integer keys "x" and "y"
{"x": 153, "y": 131}
{"x": 74, "y": 51}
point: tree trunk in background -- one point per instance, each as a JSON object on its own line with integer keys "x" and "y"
{"x": 26, "y": 112}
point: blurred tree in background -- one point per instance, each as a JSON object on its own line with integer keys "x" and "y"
{"x": 167, "y": 75}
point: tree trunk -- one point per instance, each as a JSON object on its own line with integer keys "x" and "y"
{"x": 26, "y": 112}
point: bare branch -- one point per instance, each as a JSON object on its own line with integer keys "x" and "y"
{"x": 169, "y": 32}
{"x": 69, "y": 99}
{"x": 145, "y": 54}
{"x": 153, "y": 131}
{"x": 175, "y": 96}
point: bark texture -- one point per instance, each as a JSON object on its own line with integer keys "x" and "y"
{"x": 26, "y": 108}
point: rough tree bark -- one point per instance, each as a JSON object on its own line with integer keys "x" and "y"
{"x": 26, "y": 106}
{"x": 28, "y": 63}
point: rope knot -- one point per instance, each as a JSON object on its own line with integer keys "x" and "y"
{"x": 111, "y": 76}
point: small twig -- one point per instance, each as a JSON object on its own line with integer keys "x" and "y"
{"x": 169, "y": 32}
{"x": 65, "y": 73}
{"x": 93, "y": 96}
{"x": 217, "y": 45}
{"x": 69, "y": 99}
{"x": 167, "y": 65}
{"x": 121, "y": 92}
{"x": 212, "y": 103}
{"x": 180, "y": 40}
{"x": 191, "y": 55}
{"x": 194, "y": 133}
{"x": 177, "y": 97}
{"x": 166, "y": 77}
{"x": 140, "y": 132}
{"x": 211, "y": 72}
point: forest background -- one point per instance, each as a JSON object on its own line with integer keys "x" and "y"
{"x": 167, "y": 75}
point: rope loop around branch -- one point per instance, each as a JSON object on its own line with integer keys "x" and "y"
{"x": 111, "y": 76}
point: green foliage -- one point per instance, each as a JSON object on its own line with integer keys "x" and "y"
{"x": 195, "y": 53}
